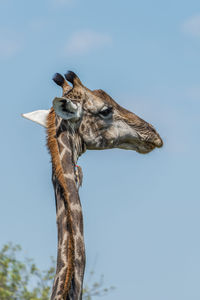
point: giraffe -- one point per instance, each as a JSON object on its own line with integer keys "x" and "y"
{"x": 82, "y": 120}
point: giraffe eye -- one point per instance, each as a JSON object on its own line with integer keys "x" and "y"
{"x": 106, "y": 112}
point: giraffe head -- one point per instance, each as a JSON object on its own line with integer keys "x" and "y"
{"x": 100, "y": 121}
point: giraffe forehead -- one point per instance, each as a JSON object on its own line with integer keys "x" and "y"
{"x": 77, "y": 95}
{"x": 93, "y": 103}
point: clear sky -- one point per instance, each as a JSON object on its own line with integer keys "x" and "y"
{"x": 141, "y": 212}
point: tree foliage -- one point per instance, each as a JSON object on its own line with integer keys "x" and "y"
{"x": 96, "y": 288}
{"x": 21, "y": 279}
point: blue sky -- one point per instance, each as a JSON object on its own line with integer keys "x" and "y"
{"x": 141, "y": 212}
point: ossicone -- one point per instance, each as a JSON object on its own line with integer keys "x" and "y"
{"x": 73, "y": 78}
{"x": 58, "y": 79}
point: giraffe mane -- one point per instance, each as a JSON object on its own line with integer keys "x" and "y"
{"x": 58, "y": 171}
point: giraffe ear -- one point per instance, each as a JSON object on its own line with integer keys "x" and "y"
{"x": 66, "y": 109}
{"x": 37, "y": 116}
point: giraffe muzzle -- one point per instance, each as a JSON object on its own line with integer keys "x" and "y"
{"x": 158, "y": 142}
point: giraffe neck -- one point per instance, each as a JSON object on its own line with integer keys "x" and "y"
{"x": 71, "y": 252}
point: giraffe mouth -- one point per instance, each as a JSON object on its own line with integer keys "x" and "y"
{"x": 142, "y": 147}
{"x": 137, "y": 148}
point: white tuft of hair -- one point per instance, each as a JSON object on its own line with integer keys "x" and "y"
{"x": 37, "y": 116}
